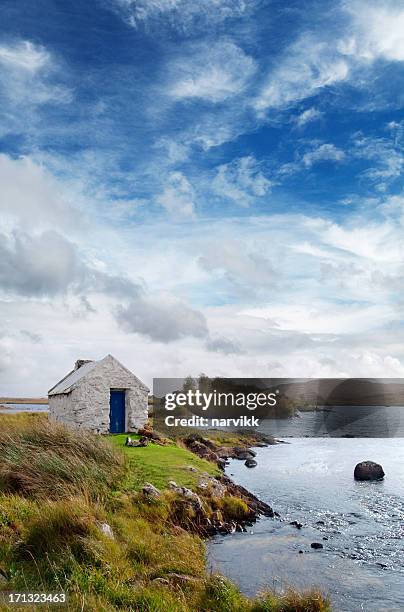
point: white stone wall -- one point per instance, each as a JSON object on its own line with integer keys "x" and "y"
{"x": 87, "y": 405}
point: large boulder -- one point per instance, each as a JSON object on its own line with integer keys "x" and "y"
{"x": 368, "y": 470}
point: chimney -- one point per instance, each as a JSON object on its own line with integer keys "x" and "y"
{"x": 81, "y": 362}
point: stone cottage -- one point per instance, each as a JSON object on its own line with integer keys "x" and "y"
{"x": 102, "y": 396}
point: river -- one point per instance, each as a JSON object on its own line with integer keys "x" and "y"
{"x": 360, "y": 524}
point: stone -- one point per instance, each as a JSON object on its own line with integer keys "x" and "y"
{"x": 250, "y": 463}
{"x": 187, "y": 494}
{"x": 136, "y": 443}
{"x": 213, "y": 486}
{"x": 162, "y": 581}
{"x": 368, "y": 470}
{"x": 316, "y": 545}
{"x": 106, "y": 530}
{"x": 181, "y": 579}
{"x": 296, "y": 524}
{"x": 149, "y": 433}
{"x": 151, "y": 491}
{"x": 243, "y": 453}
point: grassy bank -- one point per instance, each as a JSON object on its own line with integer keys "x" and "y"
{"x": 73, "y": 518}
{"x": 160, "y": 464}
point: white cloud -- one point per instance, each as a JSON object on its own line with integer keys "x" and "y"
{"x": 326, "y": 317}
{"x": 245, "y": 272}
{"x": 242, "y": 181}
{"x": 368, "y": 31}
{"x": 24, "y": 55}
{"x": 180, "y": 14}
{"x": 308, "y": 116}
{"x": 378, "y": 30}
{"x": 386, "y": 155}
{"x": 178, "y": 196}
{"x": 343, "y": 322}
{"x": 308, "y": 66}
{"x": 213, "y": 72}
{"x": 324, "y": 152}
{"x": 28, "y": 75}
{"x": 32, "y": 196}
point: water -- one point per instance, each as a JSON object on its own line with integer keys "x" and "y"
{"x": 14, "y": 408}
{"x": 311, "y": 481}
{"x": 339, "y": 421}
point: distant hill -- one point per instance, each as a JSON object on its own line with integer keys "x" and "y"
{"x": 344, "y": 391}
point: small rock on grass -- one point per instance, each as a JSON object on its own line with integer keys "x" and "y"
{"x": 151, "y": 491}
{"x": 106, "y": 530}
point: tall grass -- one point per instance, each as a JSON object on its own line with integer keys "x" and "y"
{"x": 48, "y": 460}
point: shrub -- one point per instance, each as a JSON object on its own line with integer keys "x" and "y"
{"x": 49, "y": 460}
{"x": 292, "y": 601}
{"x": 234, "y": 508}
{"x": 221, "y": 595}
{"x": 57, "y": 525}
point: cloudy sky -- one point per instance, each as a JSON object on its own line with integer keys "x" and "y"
{"x": 198, "y": 186}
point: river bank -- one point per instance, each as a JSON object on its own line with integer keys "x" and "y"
{"x": 116, "y": 527}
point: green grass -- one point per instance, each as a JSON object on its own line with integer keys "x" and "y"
{"x": 160, "y": 464}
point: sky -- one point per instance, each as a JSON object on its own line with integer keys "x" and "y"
{"x": 201, "y": 186}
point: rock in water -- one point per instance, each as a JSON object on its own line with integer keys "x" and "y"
{"x": 316, "y": 545}
{"x": 368, "y": 470}
{"x": 250, "y": 463}
{"x": 296, "y": 524}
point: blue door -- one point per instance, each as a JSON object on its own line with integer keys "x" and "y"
{"x": 117, "y": 412}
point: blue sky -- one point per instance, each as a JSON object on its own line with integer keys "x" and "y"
{"x": 201, "y": 186}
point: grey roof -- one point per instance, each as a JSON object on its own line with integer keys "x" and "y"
{"x": 69, "y": 381}
{"x": 64, "y": 385}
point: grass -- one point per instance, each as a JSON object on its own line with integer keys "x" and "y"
{"x": 51, "y": 461}
{"x": 160, "y": 464}
{"x": 51, "y": 538}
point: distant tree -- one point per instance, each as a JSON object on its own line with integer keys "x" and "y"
{"x": 204, "y": 383}
{"x": 189, "y": 384}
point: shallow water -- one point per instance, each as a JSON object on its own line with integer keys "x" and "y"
{"x": 14, "y": 408}
{"x": 311, "y": 481}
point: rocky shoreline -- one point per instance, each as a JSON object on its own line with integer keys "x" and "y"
{"x": 211, "y": 515}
